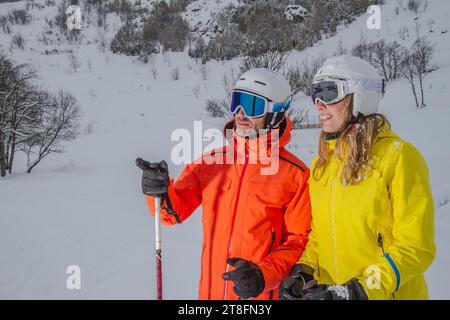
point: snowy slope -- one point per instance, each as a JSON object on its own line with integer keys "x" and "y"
{"x": 203, "y": 16}
{"x": 85, "y": 206}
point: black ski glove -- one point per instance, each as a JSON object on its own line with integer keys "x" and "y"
{"x": 247, "y": 277}
{"x": 155, "y": 177}
{"x": 291, "y": 286}
{"x": 352, "y": 290}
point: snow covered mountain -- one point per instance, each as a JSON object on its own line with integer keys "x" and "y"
{"x": 85, "y": 207}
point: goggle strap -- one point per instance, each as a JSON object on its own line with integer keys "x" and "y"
{"x": 376, "y": 85}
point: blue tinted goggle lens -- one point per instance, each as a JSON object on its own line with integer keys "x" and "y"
{"x": 281, "y": 106}
{"x": 253, "y": 106}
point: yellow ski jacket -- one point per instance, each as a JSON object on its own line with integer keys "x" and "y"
{"x": 380, "y": 231}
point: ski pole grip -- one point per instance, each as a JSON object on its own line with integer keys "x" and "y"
{"x": 141, "y": 163}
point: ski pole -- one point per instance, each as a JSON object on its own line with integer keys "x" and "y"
{"x": 159, "y": 295}
{"x": 159, "y": 198}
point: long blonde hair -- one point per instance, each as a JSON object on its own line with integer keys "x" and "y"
{"x": 353, "y": 147}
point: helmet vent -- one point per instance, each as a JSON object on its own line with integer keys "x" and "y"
{"x": 259, "y": 82}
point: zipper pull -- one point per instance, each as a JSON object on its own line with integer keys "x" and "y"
{"x": 247, "y": 149}
{"x": 380, "y": 242}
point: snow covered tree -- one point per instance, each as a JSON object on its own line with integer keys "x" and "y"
{"x": 167, "y": 27}
{"x": 19, "y": 16}
{"x": 130, "y": 41}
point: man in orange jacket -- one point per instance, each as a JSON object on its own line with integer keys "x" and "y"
{"x": 256, "y": 220}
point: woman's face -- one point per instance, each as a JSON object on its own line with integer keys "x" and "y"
{"x": 334, "y": 116}
{"x": 244, "y": 124}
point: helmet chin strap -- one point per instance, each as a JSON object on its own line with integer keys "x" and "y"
{"x": 274, "y": 119}
{"x": 353, "y": 121}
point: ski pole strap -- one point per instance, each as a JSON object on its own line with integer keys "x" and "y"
{"x": 169, "y": 208}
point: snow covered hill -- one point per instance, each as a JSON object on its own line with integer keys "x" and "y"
{"x": 84, "y": 207}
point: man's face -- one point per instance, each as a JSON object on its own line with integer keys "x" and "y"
{"x": 246, "y": 125}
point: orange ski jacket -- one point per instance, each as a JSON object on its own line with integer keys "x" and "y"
{"x": 263, "y": 218}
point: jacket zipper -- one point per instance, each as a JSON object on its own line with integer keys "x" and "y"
{"x": 333, "y": 230}
{"x": 380, "y": 245}
{"x": 274, "y": 235}
{"x": 234, "y": 215}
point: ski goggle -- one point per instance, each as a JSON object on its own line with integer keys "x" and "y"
{"x": 330, "y": 91}
{"x": 255, "y": 106}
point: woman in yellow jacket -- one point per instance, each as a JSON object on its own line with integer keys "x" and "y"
{"x": 372, "y": 210}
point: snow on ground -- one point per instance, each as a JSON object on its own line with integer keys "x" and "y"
{"x": 85, "y": 207}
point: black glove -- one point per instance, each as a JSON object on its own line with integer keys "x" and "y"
{"x": 291, "y": 286}
{"x": 352, "y": 290}
{"x": 247, "y": 277}
{"x": 155, "y": 177}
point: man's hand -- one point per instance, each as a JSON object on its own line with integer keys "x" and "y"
{"x": 155, "y": 177}
{"x": 247, "y": 277}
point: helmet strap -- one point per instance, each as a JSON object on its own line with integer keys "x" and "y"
{"x": 351, "y": 124}
{"x": 274, "y": 119}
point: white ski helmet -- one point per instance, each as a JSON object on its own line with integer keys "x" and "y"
{"x": 352, "y": 68}
{"x": 268, "y": 84}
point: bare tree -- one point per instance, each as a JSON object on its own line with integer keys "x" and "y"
{"x": 301, "y": 77}
{"x": 422, "y": 52}
{"x": 5, "y": 25}
{"x": 196, "y": 91}
{"x": 430, "y": 24}
{"x": 59, "y": 123}
{"x": 416, "y": 65}
{"x": 17, "y": 41}
{"x": 300, "y": 118}
{"x": 74, "y": 62}
{"x": 408, "y": 72}
{"x": 217, "y": 109}
{"x": 203, "y": 71}
{"x": 387, "y": 58}
{"x": 414, "y": 5}
{"x": 403, "y": 33}
{"x": 341, "y": 50}
{"x": 273, "y": 60}
{"x": 18, "y": 109}
{"x": 363, "y": 50}
{"x": 395, "y": 54}
{"x": 175, "y": 74}
{"x": 30, "y": 118}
